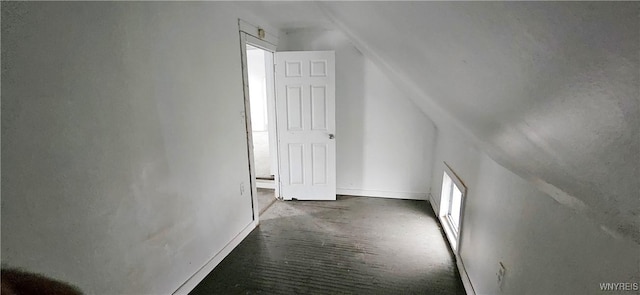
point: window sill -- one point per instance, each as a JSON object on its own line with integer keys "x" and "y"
{"x": 449, "y": 232}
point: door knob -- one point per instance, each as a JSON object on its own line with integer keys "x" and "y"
{"x": 331, "y": 136}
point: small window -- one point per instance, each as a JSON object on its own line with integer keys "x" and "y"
{"x": 453, "y": 192}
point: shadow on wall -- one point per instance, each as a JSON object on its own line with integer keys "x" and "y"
{"x": 18, "y": 282}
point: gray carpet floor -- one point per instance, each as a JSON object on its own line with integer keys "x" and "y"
{"x": 355, "y": 245}
{"x": 266, "y": 198}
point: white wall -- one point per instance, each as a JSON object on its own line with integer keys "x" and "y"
{"x": 545, "y": 247}
{"x": 123, "y": 142}
{"x": 384, "y": 142}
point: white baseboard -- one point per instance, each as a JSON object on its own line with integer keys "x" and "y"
{"x": 382, "y": 194}
{"x": 196, "y": 278}
{"x": 465, "y": 277}
{"x": 265, "y": 184}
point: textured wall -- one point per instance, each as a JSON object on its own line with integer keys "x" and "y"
{"x": 545, "y": 247}
{"x": 123, "y": 144}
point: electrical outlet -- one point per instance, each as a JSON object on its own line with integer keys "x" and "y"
{"x": 501, "y": 272}
{"x": 242, "y": 188}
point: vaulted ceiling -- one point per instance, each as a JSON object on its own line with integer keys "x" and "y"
{"x": 550, "y": 90}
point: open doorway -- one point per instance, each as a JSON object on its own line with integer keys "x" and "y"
{"x": 262, "y": 149}
{"x": 260, "y": 78}
{"x": 299, "y": 161}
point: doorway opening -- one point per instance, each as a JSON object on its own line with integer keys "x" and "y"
{"x": 293, "y": 152}
{"x": 260, "y": 78}
{"x": 260, "y": 121}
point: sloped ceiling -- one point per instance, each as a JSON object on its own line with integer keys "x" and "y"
{"x": 551, "y": 90}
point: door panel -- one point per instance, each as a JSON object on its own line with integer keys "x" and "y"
{"x": 319, "y": 163}
{"x": 296, "y": 163}
{"x": 319, "y": 108}
{"x": 294, "y": 108}
{"x": 305, "y": 111}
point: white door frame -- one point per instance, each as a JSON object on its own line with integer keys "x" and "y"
{"x": 250, "y": 34}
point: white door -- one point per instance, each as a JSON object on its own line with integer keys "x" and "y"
{"x": 305, "y": 114}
